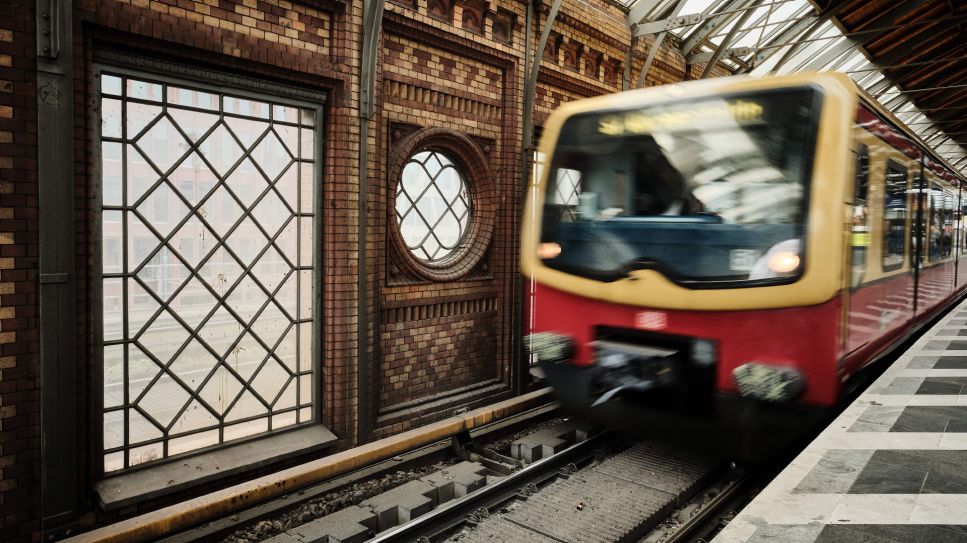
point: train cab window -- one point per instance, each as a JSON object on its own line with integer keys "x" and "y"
{"x": 860, "y": 236}
{"x": 894, "y": 217}
{"x": 651, "y": 188}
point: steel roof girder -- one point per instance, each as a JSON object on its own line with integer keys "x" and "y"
{"x": 640, "y": 9}
{"x": 723, "y": 45}
{"x": 787, "y": 36}
{"x": 712, "y": 23}
{"x": 664, "y": 25}
{"x": 733, "y": 52}
{"x": 646, "y": 67}
{"x": 844, "y": 46}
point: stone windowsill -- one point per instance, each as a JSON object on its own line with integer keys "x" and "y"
{"x": 129, "y": 488}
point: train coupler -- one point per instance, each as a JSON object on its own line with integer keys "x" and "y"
{"x": 633, "y": 368}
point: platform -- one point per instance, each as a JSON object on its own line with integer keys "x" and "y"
{"x": 891, "y": 468}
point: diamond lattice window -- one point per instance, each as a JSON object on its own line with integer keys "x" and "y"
{"x": 207, "y": 276}
{"x": 568, "y": 191}
{"x": 433, "y": 206}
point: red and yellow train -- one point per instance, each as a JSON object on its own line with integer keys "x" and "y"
{"x": 733, "y": 248}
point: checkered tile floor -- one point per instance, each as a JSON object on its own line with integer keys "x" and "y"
{"x": 892, "y": 468}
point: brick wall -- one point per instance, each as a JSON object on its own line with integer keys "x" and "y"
{"x": 19, "y": 359}
{"x": 438, "y": 340}
{"x": 433, "y": 345}
{"x": 442, "y": 347}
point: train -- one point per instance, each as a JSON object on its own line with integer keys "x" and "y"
{"x": 729, "y": 254}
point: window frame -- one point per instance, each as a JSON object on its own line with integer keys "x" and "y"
{"x": 463, "y": 221}
{"x": 900, "y": 169}
{"x": 220, "y": 83}
{"x": 861, "y": 193}
{"x": 472, "y": 161}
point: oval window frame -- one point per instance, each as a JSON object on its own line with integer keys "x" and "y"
{"x": 472, "y": 164}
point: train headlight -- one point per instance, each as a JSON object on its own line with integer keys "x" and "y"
{"x": 547, "y": 251}
{"x": 549, "y": 347}
{"x": 784, "y": 262}
{"x": 768, "y": 383}
{"x": 781, "y": 260}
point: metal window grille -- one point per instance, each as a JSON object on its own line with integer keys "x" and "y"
{"x": 208, "y": 305}
{"x": 433, "y": 206}
{"x": 568, "y": 190}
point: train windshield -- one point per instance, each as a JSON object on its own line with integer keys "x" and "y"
{"x": 708, "y": 192}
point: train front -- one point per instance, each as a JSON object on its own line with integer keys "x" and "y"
{"x": 684, "y": 250}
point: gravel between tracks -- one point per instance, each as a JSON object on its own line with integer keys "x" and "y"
{"x": 332, "y": 502}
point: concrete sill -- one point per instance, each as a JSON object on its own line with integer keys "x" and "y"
{"x": 180, "y": 474}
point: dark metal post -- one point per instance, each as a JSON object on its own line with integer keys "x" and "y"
{"x": 55, "y": 163}
{"x": 646, "y": 67}
{"x": 532, "y": 66}
{"x": 629, "y": 57}
{"x": 372, "y": 21}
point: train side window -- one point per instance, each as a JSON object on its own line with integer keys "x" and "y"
{"x": 960, "y": 221}
{"x": 935, "y": 228}
{"x": 894, "y": 217}
{"x": 860, "y": 234}
{"x": 948, "y": 235}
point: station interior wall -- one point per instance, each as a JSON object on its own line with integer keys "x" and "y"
{"x": 447, "y": 71}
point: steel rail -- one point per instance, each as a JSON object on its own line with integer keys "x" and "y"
{"x": 221, "y": 528}
{"x": 189, "y": 513}
{"x": 708, "y": 512}
{"x": 454, "y": 513}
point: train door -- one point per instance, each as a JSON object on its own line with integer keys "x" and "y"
{"x": 949, "y": 239}
{"x": 881, "y": 282}
{"x": 936, "y": 276}
{"x": 961, "y": 239}
{"x": 859, "y": 329}
{"x": 891, "y": 299}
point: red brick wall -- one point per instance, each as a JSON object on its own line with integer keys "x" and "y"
{"x": 440, "y": 340}
{"x": 19, "y": 350}
{"x": 432, "y": 349}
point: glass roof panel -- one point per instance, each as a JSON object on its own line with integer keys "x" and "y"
{"x": 767, "y": 32}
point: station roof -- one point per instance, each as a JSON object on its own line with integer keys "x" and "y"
{"x": 910, "y": 55}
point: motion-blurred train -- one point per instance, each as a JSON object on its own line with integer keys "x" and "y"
{"x": 732, "y": 250}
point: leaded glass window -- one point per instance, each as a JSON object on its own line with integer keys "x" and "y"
{"x": 207, "y": 221}
{"x": 433, "y": 206}
{"x": 568, "y": 191}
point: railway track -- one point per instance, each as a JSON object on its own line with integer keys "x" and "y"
{"x": 599, "y": 487}
{"x": 558, "y": 483}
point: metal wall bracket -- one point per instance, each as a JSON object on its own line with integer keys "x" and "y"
{"x": 47, "y": 278}
{"x": 49, "y": 20}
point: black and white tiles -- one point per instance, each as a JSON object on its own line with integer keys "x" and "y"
{"x": 891, "y": 468}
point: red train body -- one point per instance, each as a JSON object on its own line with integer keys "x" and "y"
{"x": 735, "y": 311}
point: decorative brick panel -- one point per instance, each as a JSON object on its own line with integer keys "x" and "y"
{"x": 448, "y": 346}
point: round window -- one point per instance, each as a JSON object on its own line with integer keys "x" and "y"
{"x": 433, "y": 206}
